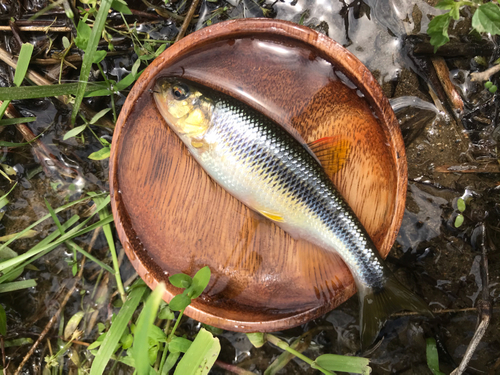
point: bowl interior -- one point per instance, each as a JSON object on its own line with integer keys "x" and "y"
{"x": 171, "y": 217}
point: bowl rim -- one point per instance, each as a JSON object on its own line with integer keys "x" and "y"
{"x": 326, "y": 48}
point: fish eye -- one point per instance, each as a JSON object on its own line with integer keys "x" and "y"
{"x": 180, "y": 91}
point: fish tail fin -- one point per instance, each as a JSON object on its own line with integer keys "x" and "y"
{"x": 377, "y": 306}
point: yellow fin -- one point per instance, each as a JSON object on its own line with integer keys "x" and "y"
{"x": 332, "y": 152}
{"x": 274, "y": 216}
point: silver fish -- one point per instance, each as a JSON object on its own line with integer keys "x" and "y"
{"x": 266, "y": 168}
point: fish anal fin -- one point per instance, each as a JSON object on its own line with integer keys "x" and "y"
{"x": 377, "y": 306}
{"x": 274, "y": 216}
{"x": 332, "y": 152}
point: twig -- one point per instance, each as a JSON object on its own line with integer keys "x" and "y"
{"x": 45, "y": 157}
{"x": 484, "y": 76}
{"x": 484, "y": 308}
{"x": 234, "y": 369}
{"x": 47, "y": 328}
{"x": 187, "y": 20}
{"x": 54, "y": 318}
{"x": 454, "y": 49}
{"x": 491, "y": 167}
{"x": 44, "y": 29}
{"x": 443, "y": 311}
{"x": 443, "y": 74}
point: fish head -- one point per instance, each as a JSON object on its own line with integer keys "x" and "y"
{"x": 185, "y": 109}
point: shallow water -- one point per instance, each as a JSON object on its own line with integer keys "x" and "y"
{"x": 437, "y": 260}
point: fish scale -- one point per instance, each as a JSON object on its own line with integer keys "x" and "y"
{"x": 308, "y": 191}
{"x": 266, "y": 168}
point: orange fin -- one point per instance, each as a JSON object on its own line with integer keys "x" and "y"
{"x": 274, "y": 216}
{"x": 332, "y": 152}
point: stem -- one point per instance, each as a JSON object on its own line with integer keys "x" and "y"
{"x": 110, "y": 87}
{"x": 165, "y": 350}
{"x": 171, "y": 336}
{"x": 283, "y": 345}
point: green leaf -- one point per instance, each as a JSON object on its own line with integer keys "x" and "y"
{"x": 157, "y": 334}
{"x": 72, "y": 324}
{"x": 121, "y": 6}
{"x": 486, "y": 19}
{"x": 28, "y": 234}
{"x": 99, "y": 115}
{"x": 179, "y": 302}
{"x": 445, "y": 4}
{"x": 459, "y": 220}
{"x": 102, "y": 154}
{"x": 90, "y": 50}
{"x": 181, "y": 280}
{"x": 200, "y": 282}
{"x": 438, "y": 30}
{"x": 6, "y": 254}
{"x": 179, "y": 344}
{"x": 142, "y": 331}
{"x": 213, "y": 330}
{"x": 432, "y": 356}
{"x": 34, "y": 92}
{"x": 165, "y": 312}
{"x": 99, "y": 56}
{"x": 135, "y": 67}
{"x": 54, "y": 217}
{"x": 256, "y": 338}
{"x": 461, "y": 204}
{"x": 115, "y": 332}
{"x": 65, "y": 42}
{"x": 74, "y": 132}
{"x": 493, "y": 89}
{"x": 23, "y": 63}
{"x": 127, "y": 341}
{"x": 334, "y": 362}
{"x": 18, "y": 120}
{"x": 200, "y": 356}
{"x": 170, "y": 362}
{"x": 17, "y": 285}
{"x": 82, "y": 35}
{"x": 3, "y": 321}
{"x": 126, "y": 81}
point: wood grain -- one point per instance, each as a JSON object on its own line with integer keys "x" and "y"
{"x": 171, "y": 217}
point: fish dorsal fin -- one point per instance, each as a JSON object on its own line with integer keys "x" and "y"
{"x": 332, "y": 152}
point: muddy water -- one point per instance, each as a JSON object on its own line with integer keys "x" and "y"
{"x": 437, "y": 260}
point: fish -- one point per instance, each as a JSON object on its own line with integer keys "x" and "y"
{"x": 275, "y": 174}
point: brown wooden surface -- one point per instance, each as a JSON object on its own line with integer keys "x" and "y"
{"x": 171, "y": 217}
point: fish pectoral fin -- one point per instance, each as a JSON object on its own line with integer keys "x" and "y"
{"x": 332, "y": 152}
{"x": 274, "y": 216}
{"x": 377, "y": 306}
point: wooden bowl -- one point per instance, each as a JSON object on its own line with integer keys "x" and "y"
{"x": 171, "y": 217}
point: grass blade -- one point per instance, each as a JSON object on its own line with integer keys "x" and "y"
{"x": 141, "y": 335}
{"x": 88, "y": 58}
{"x": 73, "y": 233}
{"x": 22, "y": 63}
{"x": 54, "y": 217}
{"x": 77, "y": 231}
{"x": 47, "y": 240}
{"x": 34, "y": 92}
{"x": 21, "y": 69}
{"x": 200, "y": 356}
{"x": 114, "y": 334}
{"x": 57, "y": 210}
{"x": 103, "y": 214}
{"x": 15, "y": 121}
{"x": 17, "y": 285}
